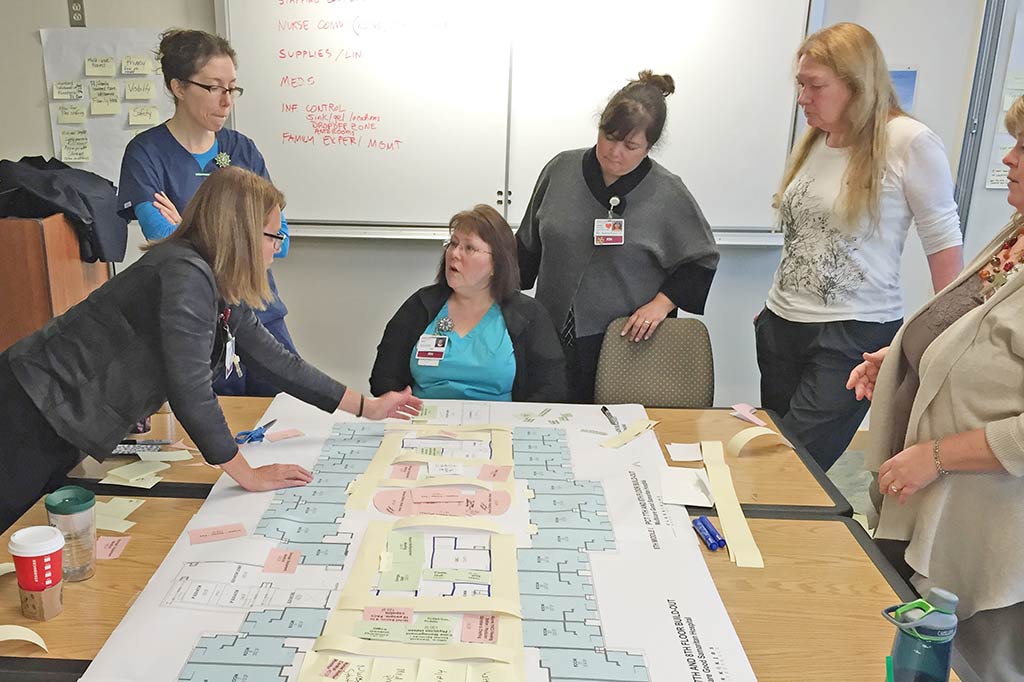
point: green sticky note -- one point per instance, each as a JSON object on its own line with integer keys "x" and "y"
{"x": 390, "y": 632}
{"x": 399, "y": 577}
{"x": 430, "y": 630}
{"x": 406, "y": 548}
{"x": 457, "y": 575}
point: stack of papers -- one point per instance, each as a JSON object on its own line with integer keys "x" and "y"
{"x": 111, "y": 515}
{"x": 165, "y": 456}
{"x": 137, "y": 475}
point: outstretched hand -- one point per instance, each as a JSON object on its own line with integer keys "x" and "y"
{"x": 400, "y": 404}
{"x": 863, "y": 376}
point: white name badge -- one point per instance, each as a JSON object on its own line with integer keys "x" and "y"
{"x": 609, "y": 232}
{"x": 229, "y": 356}
{"x": 430, "y": 349}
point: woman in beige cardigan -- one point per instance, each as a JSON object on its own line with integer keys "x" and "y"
{"x": 947, "y": 427}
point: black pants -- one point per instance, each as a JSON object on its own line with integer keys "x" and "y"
{"x": 581, "y": 365}
{"x": 804, "y": 369}
{"x": 33, "y": 458}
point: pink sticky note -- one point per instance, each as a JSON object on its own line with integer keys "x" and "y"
{"x": 479, "y": 628}
{"x": 387, "y": 614}
{"x": 111, "y": 548}
{"x": 490, "y": 472}
{"x": 282, "y": 561}
{"x": 216, "y": 533}
{"x": 335, "y": 667}
{"x": 406, "y": 471}
{"x": 746, "y": 413}
{"x": 274, "y": 436}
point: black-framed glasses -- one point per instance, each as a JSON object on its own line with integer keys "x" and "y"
{"x": 219, "y": 90}
{"x": 278, "y": 238}
{"x": 467, "y": 249}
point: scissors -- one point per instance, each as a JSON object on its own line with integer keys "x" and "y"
{"x": 255, "y": 435}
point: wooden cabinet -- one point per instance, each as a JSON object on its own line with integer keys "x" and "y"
{"x": 41, "y": 274}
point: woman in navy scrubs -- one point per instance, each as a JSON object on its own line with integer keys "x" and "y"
{"x": 164, "y": 166}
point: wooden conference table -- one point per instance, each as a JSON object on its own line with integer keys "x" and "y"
{"x": 811, "y": 614}
{"x": 766, "y": 477}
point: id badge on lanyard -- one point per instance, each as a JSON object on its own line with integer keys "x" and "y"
{"x": 610, "y": 231}
{"x": 430, "y": 350}
{"x": 231, "y": 360}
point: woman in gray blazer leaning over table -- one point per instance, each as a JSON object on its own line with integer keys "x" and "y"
{"x": 157, "y": 332}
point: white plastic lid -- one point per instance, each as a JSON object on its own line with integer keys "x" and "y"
{"x": 35, "y": 541}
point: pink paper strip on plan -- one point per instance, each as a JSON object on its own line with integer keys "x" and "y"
{"x": 491, "y": 472}
{"x": 479, "y": 628}
{"x": 282, "y": 561}
{"x": 111, "y": 548}
{"x": 216, "y": 533}
{"x": 746, "y": 413}
{"x": 335, "y": 668}
{"x": 405, "y": 471}
{"x": 275, "y": 436}
{"x": 387, "y": 614}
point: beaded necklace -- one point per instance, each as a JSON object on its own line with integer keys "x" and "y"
{"x": 1005, "y": 262}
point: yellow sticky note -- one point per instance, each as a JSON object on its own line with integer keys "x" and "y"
{"x": 135, "y": 65}
{"x": 104, "y": 98}
{"x": 113, "y": 524}
{"x": 441, "y": 671}
{"x": 6, "y": 568}
{"x": 143, "y": 115}
{"x": 139, "y": 89}
{"x": 632, "y": 431}
{"x": 394, "y": 670}
{"x": 165, "y": 455}
{"x": 12, "y": 632}
{"x": 132, "y": 472}
{"x": 68, "y": 90}
{"x": 74, "y": 145}
{"x": 70, "y": 113}
{"x": 118, "y": 507}
{"x": 144, "y": 482}
{"x": 100, "y": 66}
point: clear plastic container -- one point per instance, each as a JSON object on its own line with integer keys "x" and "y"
{"x": 72, "y": 510}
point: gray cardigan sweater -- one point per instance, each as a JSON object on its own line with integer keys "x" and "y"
{"x": 964, "y": 529}
{"x": 668, "y": 247}
{"x": 151, "y": 334}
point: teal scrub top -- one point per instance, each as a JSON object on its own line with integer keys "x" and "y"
{"x": 478, "y": 366}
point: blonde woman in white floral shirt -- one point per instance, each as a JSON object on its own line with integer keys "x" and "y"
{"x": 861, "y": 174}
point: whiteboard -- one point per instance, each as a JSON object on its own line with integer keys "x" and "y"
{"x": 387, "y": 111}
{"x": 481, "y": 95}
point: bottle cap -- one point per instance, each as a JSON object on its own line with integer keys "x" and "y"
{"x": 942, "y": 600}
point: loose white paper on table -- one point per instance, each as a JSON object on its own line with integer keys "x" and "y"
{"x": 686, "y": 486}
{"x": 684, "y": 452}
{"x": 133, "y": 472}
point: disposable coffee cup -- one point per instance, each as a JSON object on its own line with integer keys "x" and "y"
{"x": 72, "y": 509}
{"x": 37, "y": 552}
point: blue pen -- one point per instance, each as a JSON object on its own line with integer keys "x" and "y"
{"x": 712, "y": 531}
{"x": 702, "y": 531}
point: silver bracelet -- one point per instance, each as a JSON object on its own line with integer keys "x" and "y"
{"x": 935, "y": 458}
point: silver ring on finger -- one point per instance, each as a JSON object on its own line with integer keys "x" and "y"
{"x": 893, "y": 488}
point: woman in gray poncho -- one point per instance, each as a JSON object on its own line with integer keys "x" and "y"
{"x": 610, "y": 233}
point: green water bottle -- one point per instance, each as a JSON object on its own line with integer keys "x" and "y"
{"x": 923, "y": 645}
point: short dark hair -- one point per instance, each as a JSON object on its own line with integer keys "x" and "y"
{"x": 183, "y": 52}
{"x": 485, "y": 222}
{"x": 639, "y": 104}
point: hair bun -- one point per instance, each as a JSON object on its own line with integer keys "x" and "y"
{"x": 664, "y": 82}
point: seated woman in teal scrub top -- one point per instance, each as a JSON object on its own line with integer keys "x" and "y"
{"x": 472, "y": 335}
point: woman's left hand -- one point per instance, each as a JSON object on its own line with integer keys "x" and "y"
{"x": 908, "y": 471}
{"x": 642, "y": 323}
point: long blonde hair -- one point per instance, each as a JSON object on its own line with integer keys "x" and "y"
{"x": 225, "y": 221}
{"x": 853, "y": 54}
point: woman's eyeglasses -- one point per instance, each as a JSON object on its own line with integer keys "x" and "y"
{"x": 278, "y": 238}
{"x": 467, "y": 249}
{"x": 218, "y": 90}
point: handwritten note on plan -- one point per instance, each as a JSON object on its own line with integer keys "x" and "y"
{"x": 216, "y": 533}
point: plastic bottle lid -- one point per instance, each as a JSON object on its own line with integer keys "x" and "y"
{"x": 71, "y": 499}
{"x": 35, "y": 541}
{"x": 942, "y": 600}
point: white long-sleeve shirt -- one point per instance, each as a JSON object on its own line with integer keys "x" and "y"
{"x": 828, "y": 274}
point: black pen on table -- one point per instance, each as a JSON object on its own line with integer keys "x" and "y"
{"x": 611, "y": 418}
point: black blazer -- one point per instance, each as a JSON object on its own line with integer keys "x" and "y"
{"x": 151, "y": 334}
{"x": 540, "y": 362}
